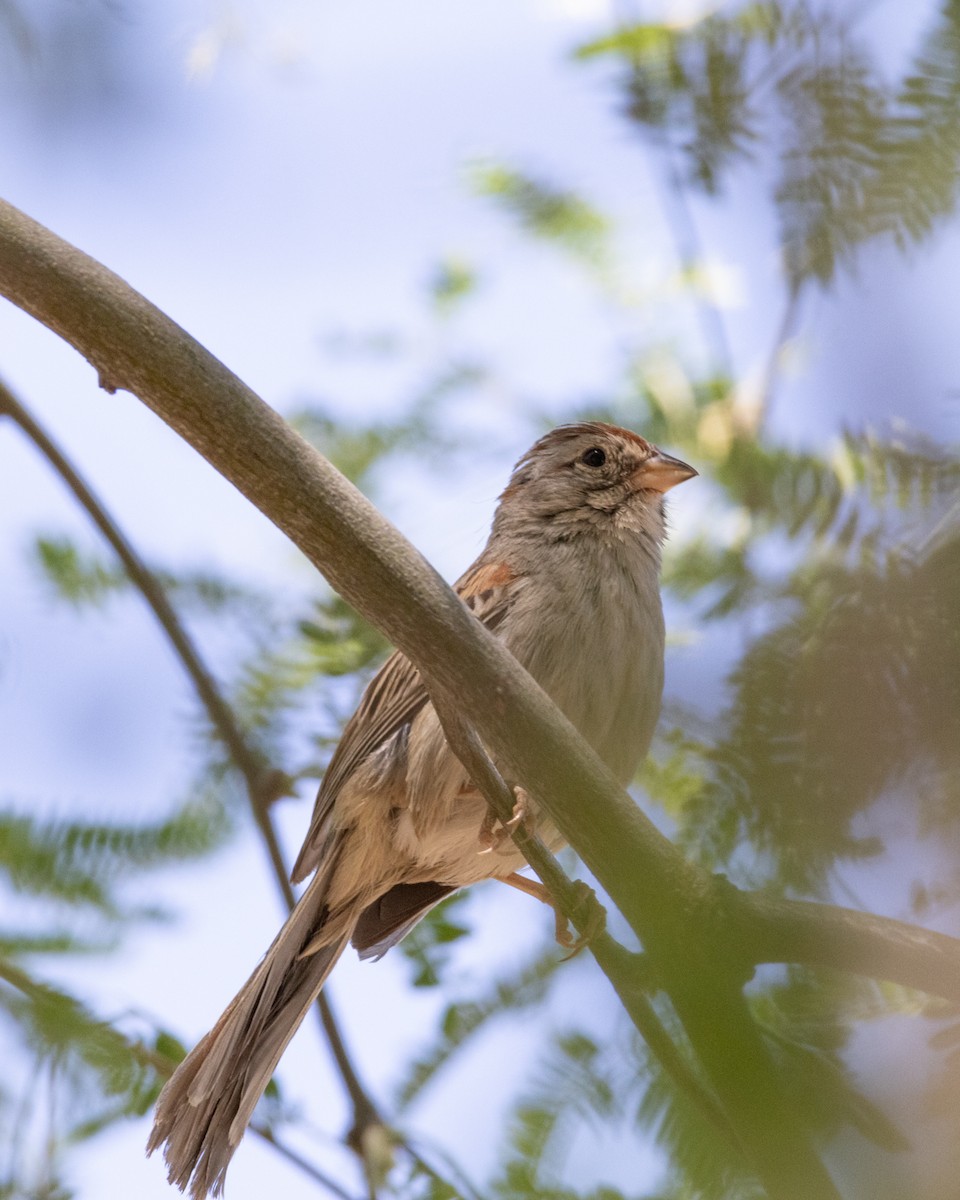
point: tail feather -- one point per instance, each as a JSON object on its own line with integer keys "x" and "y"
{"x": 206, "y": 1105}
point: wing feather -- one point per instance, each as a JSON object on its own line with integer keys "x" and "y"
{"x": 391, "y": 701}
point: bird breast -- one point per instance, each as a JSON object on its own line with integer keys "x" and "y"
{"x": 593, "y": 639}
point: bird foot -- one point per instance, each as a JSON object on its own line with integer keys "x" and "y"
{"x": 494, "y": 832}
{"x": 588, "y": 912}
{"x": 594, "y": 920}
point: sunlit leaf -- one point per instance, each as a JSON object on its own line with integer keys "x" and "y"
{"x": 461, "y": 1021}
{"x": 547, "y": 211}
{"x": 79, "y": 863}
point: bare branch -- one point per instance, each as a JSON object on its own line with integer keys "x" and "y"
{"x": 668, "y": 901}
{"x": 263, "y": 783}
{"x": 325, "y": 1181}
{"x": 135, "y": 346}
{"x": 627, "y": 972}
{"x": 776, "y": 930}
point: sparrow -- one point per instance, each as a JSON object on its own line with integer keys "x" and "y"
{"x": 569, "y": 581}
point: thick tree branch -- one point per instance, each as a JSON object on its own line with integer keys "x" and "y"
{"x": 669, "y": 902}
{"x": 799, "y": 931}
{"x": 625, "y": 971}
{"x": 134, "y": 346}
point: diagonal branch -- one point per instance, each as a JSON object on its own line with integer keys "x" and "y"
{"x": 263, "y": 784}
{"x": 785, "y": 330}
{"x": 627, "y": 972}
{"x": 784, "y": 931}
{"x": 297, "y": 1160}
{"x": 670, "y": 903}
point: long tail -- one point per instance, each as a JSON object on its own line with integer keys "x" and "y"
{"x": 206, "y": 1105}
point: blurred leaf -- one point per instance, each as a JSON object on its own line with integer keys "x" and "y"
{"x": 689, "y": 85}
{"x": 86, "y": 579}
{"x": 577, "y": 1082}
{"x": 15, "y": 945}
{"x": 837, "y": 120}
{"x": 287, "y": 671}
{"x": 806, "y": 1020}
{"x": 859, "y": 158}
{"x": 722, "y": 571}
{"x": 426, "y": 947}
{"x": 99, "y": 1061}
{"x": 918, "y": 181}
{"x": 704, "y": 1164}
{"x": 81, "y": 579}
{"x": 462, "y": 1020}
{"x": 819, "y": 1088}
{"x": 78, "y": 863}
{"x": 340, "y": 641}
{"x": 452, "y": 282}
{"x": 855, "y": 695}
{"x": 648, "y": 43}
{"x": 548, "y": 212}
{"x": 669, "y": 774}
{"x": 358, "y": 450}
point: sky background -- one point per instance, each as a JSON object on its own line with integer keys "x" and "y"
{"x": 277, "y": 177}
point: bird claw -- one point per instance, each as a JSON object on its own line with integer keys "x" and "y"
{"x": 586, "y": 911}
{"x": 595, "y": 918}
{"x": 494, "y": 832}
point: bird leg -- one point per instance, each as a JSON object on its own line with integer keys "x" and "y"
{"x": 494, "y": 832}
{"x": 596, "y": 915}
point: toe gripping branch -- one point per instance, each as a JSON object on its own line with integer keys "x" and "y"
{"x": 510, "y": 815}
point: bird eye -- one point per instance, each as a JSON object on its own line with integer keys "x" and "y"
{"x": 594, "y": 457}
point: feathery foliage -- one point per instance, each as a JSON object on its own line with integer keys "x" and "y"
{"x": 821, "y": 576}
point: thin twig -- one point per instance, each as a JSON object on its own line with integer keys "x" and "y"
{"x": 785, "y": 330}
{"x": 669, "y": 901}
{"x": 465, "y": 1190}
{"x": 690, "y": 250}
{"x": 301, "y": 1163}
{"x": 688, "y": 244}
{"x": 263, "y": 784}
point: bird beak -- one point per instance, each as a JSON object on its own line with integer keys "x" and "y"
{"x": 660, "y": 473}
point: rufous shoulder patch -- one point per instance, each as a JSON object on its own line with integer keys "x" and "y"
{"x": 486, "y": 577}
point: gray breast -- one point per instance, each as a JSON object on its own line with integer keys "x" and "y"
{"x": 594, "y": 642}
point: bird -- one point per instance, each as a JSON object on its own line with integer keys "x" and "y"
{"x": 569, "y": 581}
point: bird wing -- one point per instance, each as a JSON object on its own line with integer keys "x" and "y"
{"x": 391, "y": 701}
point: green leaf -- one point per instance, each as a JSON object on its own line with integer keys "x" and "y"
{"x": 463, "y": 1020}
{"x": 643, "y": 42}
{"x": 426, "y": 946}
{"x": 89, "y": 580}
{"x": 80, "y": 579}
{"x": 548, "y": 212}
{"x": 56, "y": 1025}
{"x": 78, "y": 862}
{"x": 837, "y": 114}
{"x": 452, "y": 282}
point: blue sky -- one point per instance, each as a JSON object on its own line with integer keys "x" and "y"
{"x": 268, "y": 176}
